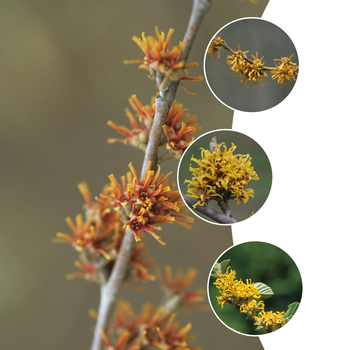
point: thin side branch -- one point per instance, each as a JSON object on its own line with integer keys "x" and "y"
{"x": 210, "y": 213}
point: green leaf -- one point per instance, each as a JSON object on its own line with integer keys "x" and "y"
{"x": 214, "y": 272}
{"x": 219, "y": 267}
{"x": 292, "y": 309}
{"x": 223, "y": 265}
{"x": 264, "y": 290}
{"x": 260, "y": 328}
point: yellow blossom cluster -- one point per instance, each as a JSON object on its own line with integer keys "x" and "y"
{"x": 235, "y": 292}
{"x": 215, "y": 46}
{"x": 253, "y": 69}
{"x": 285, "y": 70}
{"x": 221, "y": 175}
{"x": 249, "y": 70}
{"x": 244, "y": 296}
{"x": 270, "y": 321}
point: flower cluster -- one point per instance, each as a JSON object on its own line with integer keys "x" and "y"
{"x": 178, "y": 132}
{"x": 235, "y": 292}
{"x": 270, "y": 321}
{"x": 152, "y": 328}
{"x": 176, "y": 288}
{"x": 221, "y": 175}
{"x": 249, "y": 70}
{"x": 98, "y": 233}
{"x": 98, "y": 239}
{"x": 163, "y": 64}
{"x": 146, "y": 202}
{"x": 285, "y": 70}
{"x": 245, "y": 297}
{"x": 215, "y": 46}
{"x": 254, "y": 70}
{"x": 136, "y": 205}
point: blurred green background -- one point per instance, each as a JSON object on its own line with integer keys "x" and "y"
{"x": 62, "y": 78}
{"x": 255, "y": 35}
{"x": 245, "y": 145}
{"x": 260, "y": 262}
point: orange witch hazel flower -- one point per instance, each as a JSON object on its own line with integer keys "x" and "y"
{"x": 139, "y": 265}
{"x": 88, "y": 236}
{"x": 179, "y": 138}
{"x": 179, "y": 127}
{"x": 151, "y": 328}
{"x": 97, "y": 234}
{"x": 88, "y": 270}
{"x": 101, "y": 236}
{"x": 161, "y": 62}
{"x": 177, "y": 286}
{"x": 138, "y": 135}
{"x": 146, "y": 202}
{"x": 126, "y": 341}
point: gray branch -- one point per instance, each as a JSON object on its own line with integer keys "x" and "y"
{"x": 210, "y": 213}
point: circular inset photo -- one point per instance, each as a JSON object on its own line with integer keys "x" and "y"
{"x": 251, "y": 65}
{"x": 254, "y": 288}
{"x": 224, "y": 177}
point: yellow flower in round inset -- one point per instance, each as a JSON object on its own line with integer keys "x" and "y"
{"x": 221, "y": 175}
{"x": 215, "y": 46}
{"x": 252, "y": 307}
{"x": 251, "y": 70}
{"x": 237, "y": 60}
{"x": 269, "y": 320}
{"x": 226, "y": 279}
{"x": 245, "y": 291}
{"x": 285, "y": 70}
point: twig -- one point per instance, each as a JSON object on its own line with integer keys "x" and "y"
{"x": 224, "y": 207}
{"x": 110, "y": 290}
{"x": 210, "y": 213}
{"x": 264, "y": 68}
{"x": 166, "y": 97}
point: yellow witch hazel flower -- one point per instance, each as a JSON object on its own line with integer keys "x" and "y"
{"x": 248, "y": 69}
{"x": 270, "y": 320}
{"x": 285, "y": 70}
{"x": 215, "y": 46}
{"x": 235, "y": 292}
{"x": 253, "y": 69}
{"x": 246, "y": 297}
{"x": 221, "y": 176}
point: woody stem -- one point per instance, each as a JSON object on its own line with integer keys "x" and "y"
{"x": 210, "y": 212}
{"x": 166, "y": 97}
{"x": 110, "y": 289}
